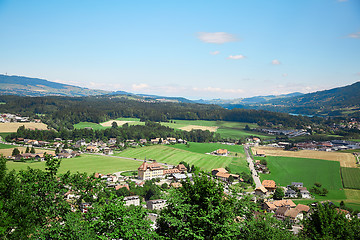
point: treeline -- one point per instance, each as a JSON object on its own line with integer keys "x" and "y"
{"x": 63, "y": 112}
{"x": 148, "y": 131}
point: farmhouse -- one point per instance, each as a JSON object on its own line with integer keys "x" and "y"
{"x": 260, "y": 153}
{"x": 150, "y": 170}
{"x": 92, "y": 149}
{"x": 270, "y": 185}
{"x": 221, "y": 152}
{"x": 222, "y": 174}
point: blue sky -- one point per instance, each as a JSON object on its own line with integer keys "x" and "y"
{"x": 195, "y": 49}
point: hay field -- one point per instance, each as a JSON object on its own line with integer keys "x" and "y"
{"x": 345, "y": 159}
{"x": 196, "y": 127}
{"x": 8, "y": 151}
{"x": 109, "y": 123}
{"x": 13, "y": 127}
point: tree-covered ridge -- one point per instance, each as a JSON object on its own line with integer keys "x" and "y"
{"x": 136, "y": 132}
{"x": 63, "y": 112}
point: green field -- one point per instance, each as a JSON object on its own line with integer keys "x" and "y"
{"x": 95, "y": 126}
{"x": 85, "y": 163}
{"x": 208, "y": 147}
{"x": 285, "y": 170}
{"x": 233, "y": 130}
{"x": 171, "y": 155}
{"x": 351, "y": 177}
{"x": 5, "y": 146}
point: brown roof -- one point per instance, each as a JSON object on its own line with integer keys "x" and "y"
{"x": 302, "y": 208}
{"x": 269, "y": 184}
{"x": 117, "y": 187}
{"x": 181, "y": 167}
{"x": 222, "y": 174}
{"x": 223, "y": 170}
{"x": 170, "y": 171}
{"x": 221, "y": 151}
{"x": 282, "y": 203}
{"x": 281, "y": 211}
{"x": 152, "y": 166}
{"x": 175, "y": 184}
{"x": 270, "y": 205}
{"x": 292, "y": 213}
{"x": 260, "y": 152}
{"x": 261, "y": 188}
{"x": 338, "y": 210}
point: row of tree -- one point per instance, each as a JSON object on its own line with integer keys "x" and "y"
{"x": 148, "y": 131}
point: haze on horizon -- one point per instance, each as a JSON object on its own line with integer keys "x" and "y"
{"x": 194, "y": 49}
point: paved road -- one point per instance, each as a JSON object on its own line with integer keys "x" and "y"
{"x": 251, "y": 166}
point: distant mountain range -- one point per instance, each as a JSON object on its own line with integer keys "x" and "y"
{"x": 342, "y": 101}
{"x": 25, "y": 86}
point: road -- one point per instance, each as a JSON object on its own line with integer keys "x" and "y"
{"x": 251, "y": 166}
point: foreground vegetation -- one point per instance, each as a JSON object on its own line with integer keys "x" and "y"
{"x": 33, "y": 205}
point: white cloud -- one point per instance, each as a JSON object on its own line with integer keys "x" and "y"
{"x": 215, "y": 53}
{"x": 275, "y": 62}
{"x": 285, "y": 74}
{"x": 138, "y": 87}
{"x": 236, "y": 57}
{"x": 354, "y": 35}
{"x": 216, "y": 37}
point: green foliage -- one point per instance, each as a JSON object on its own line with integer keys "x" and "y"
{"x": 15, "y": 152}
{"x": 200, "y": 210}
{"x": 32, "y": 150}
{"x": 27, "y": 150}
{"x": 278, "y": 194}
{"x": 328, "y": 223}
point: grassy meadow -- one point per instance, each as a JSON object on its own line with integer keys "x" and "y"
{"x": 351, "y": 177}
{"x": 285, "y": 170}
{"x": 85, "y": 163}
{"x": 173, "y": 156}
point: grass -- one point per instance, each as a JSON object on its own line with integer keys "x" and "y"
{"x": 5, "y": 146}
{"x": 351, "y": 177}
{"x": 85, "y": 163}
{"x": 94, "y": 126}
{"x": 174, "y": 156}
{"x": 4, "y": 135}
{"x": 285, "y": 170}
{"x": 208, "y": 147}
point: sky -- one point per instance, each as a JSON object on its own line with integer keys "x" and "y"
{"x": 195, "y": 49}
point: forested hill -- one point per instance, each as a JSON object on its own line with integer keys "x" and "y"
{"x": 25, "y": 86}
{"x": 63, "y": 112}
{"x": 336, "y": 101}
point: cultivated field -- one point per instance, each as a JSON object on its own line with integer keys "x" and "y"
{"x": 85, "y": 163}
{"x": 13, "y": 127}
{"x": 353, "y": 198}
{"x": 345, "y": 159}
{"x": 8, "y": 151}
{"x": 195, "y": 127}
{"x": 173, "y": 156}
{"x": 351, "y": 177}
{"x": 285, "y": 170}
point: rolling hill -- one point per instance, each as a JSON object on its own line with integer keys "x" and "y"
{"x": 25, "y": 86}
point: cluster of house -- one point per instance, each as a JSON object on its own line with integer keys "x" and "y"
{"x": 253, "y": 141}
{"x": 333, "y": 145}
{"x": 353, "y": 123}
{"x": 301, "y": 192}
{"x": 150, "y": 170}
{"x": 8, "y": 117}
{"x": 260, "y": 168}
{"x": 223, "y": 175}
{"x": 268, "y": 187}
{"x": 283, "y": 209}
{"x": 289, "y": 133}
